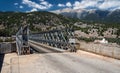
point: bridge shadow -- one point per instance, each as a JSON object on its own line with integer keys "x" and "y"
{"x": 1, "y": 61}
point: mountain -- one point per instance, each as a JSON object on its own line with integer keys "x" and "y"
{"x": 78, "y": 13}
{"x": 100, "y": 16}
{"x": 10, "y": 22}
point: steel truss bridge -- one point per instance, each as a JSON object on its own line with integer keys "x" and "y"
{"x": 55, "y": 38}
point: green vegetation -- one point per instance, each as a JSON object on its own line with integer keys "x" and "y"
{"x": 6, "y": 39}
{"x": 9, "y": 40}
{"x": 82, "y": 29}
{"x": 37, "y": 21}
{"x": 114, "y": 40}
{"x": 1, "y": 40}
{"x": 87, "y": 39}
{"x": 118, "y": 32}
{"x": 13, "y": 20}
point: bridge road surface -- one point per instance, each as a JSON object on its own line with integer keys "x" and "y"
{"x": 65, "y": 62}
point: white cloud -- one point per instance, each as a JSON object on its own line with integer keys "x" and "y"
{"x": 15, "y": 3}
{"x": 116, "y": 8}
{"x": 34, "y": 9}
{"x": 61, "y": 5}
{"x": 76, "y": 5}
{"x": 100, "y": 4}
{"x": 68, "y": 4}
{"x": 20, "y": 6}
{"x": 85, "y": 4}
{"x": 42, "y": 5}
{"x": 110, "y": 4}
{"x": 46, "y": 4}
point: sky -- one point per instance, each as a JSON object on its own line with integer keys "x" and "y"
{"x": 51, "y": 5}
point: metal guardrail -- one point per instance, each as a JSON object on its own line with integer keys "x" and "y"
{"x": 56, "y": 38}
{"x": 22, "y": 41}
{"x": 7, "y": 47}
{"x": 19, "y": 41}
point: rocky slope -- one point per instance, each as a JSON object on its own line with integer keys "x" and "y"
{"x": 101, "y": 16}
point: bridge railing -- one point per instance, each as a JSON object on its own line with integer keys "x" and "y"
{"x": 19, "y": 41}
{"x": 22, "y": 41}
{"x": 56, "y": 38}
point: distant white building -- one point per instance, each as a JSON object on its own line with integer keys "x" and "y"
{"x": 103, "y": 41}
{"x": 72, "y": 41}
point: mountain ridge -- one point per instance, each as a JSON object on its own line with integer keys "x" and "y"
{"x": 93, "y": 15}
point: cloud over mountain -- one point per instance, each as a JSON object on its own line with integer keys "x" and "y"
{"x": 68, "y": 4}
{"x": 76, "y": 4}
{"x": 50, "y": 5}
{"x": 61, "y": 5}
{"x": 93, "y": 4}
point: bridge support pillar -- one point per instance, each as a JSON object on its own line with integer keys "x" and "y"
{"x": 25, "y": 50}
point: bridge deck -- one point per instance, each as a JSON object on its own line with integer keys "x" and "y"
{"x": 80, "y": 62}
{"x": 43, "y": 47}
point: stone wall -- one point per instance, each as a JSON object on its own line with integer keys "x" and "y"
{"x": 7, "y": 47}
{"x": 111, "y": 50}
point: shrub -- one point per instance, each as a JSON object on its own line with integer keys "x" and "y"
{"x": 87, "y": 39}
{"x": 1, "y": 40}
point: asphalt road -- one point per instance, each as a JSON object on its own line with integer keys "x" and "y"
{"x": 65, "y": 62}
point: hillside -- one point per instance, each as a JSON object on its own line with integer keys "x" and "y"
{"x": 10, "y": 22}
{"x": 37, "y": 21}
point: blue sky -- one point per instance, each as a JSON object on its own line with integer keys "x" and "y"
{"x": 50, "y": 5}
